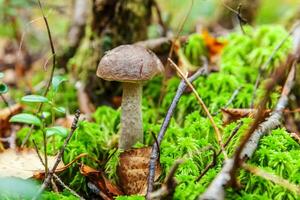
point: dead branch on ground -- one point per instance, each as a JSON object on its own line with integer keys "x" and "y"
{"x": 248, "y": 146}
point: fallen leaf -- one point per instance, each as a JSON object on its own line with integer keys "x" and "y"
{"x": 5, "y": 115}
{"x": 107, "y": 188}
{"x": 133, "y": 170}
{"x": 23, "y": 164}
{"x": 233, "y": 114}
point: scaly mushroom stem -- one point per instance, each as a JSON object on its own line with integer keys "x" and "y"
{"x": 131, "y": 117}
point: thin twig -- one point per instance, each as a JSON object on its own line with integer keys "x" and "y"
{"x": 154, "y": 153}
{"x": 215, "y": 191}
{"x": 51, "y": 73}
{"x": 168, "y": 187}
{"x": 54, "y": 175}
{"x": 5, "y": 101}
{"x": 232, "y": 98}
{"x": 172, "y": 48}
{"x": 67, "y": 187}
{"x": 275, "y": 78}
{"x": 37, "y": 152}
{"x": 234, "y": 95}
{"x": 267, "y": 63}
{"x": 240, "y": 18}
{"x": 213, "y": 162}
{"x": 217, "y": 131}
{"x": 159, "y": 16}
{"x": 45, "y": 151}
{"x": 210, "y": 165}
{"x": 59, "y": 156}
{"x": 157, "y": 144}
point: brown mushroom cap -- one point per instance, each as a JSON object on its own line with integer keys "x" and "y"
{"x": 129, "y": 63}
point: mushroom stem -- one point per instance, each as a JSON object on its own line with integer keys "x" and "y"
{"x": 131, "y": 118}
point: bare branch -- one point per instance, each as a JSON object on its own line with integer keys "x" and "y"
{"x": 215, "y": 190}
{"x": 217, "y": 131}
{"x": 214, "y": 161}
{"x": 59, "y": 156}
{"x": 67, "y": 187}
{"x": 167, "y": 189}
{"x": 154, "y": 153}
{"x": 51, "y": 73}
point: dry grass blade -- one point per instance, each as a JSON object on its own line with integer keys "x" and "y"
{"x": 217, "y": 131}
{"x": 173, "y": 47}
{"x": 155, "y": 150}
{"x": 272, "y": 177}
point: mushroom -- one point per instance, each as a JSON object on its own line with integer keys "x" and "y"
{"x": 132, "y": 65}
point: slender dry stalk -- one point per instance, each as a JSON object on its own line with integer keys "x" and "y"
{"x": 217, "y": 131}
{"x": 59, "y": 156}
{"x": 272, "y": 177}
{"x": 155, "y": 149}
{"x": 51, "y": 73}
{"x": 172, "y": 48}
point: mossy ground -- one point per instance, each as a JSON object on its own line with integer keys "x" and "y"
{"x": 190, "y": 130}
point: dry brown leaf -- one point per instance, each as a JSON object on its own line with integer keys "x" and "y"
{"x": 108, "y": 189}
{"x": 5, "y": 115}
{"x": 23, "y": 164}
{"x": 133, "y": 170}
{"x": 233, "y": 114}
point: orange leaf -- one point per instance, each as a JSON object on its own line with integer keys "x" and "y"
{"x": 213, "y": 44}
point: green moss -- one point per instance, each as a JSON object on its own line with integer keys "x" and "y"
{"x": 58, "y": 196}
{"x": 133, "y": 197}
{"x": 190, "y": 132}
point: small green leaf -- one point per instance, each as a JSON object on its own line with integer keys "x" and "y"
{"x": 57, "y": 130}
{"x": 56, "y": 81}
{"x": 35, "y": 99}
{"x": 60, "y": 109}
{"x": 3, "y": 88}
{"x": 26, "y": 119}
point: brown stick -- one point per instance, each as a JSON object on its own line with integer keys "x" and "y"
{"x": 215, "y": 191}
{"x": 59, "y": 156}
{"x": 51, "y": 73}
{"x": 155, "y": 149}
{"x": 217, "y": 131}
{"x": 214, "y": 161}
